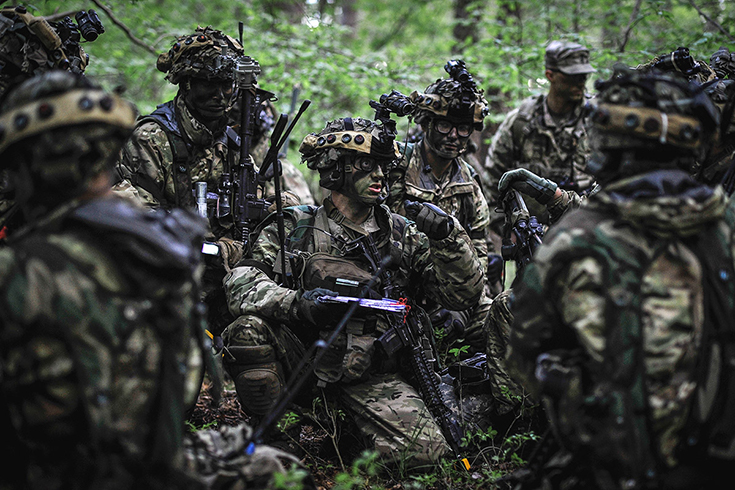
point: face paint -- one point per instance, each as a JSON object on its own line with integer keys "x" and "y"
{"x": 447, "y": 145}
{"x": 208, "y": 98}
{"x": 365, "y": 186}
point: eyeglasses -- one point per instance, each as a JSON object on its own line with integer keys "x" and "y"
{"x": 444, "y": 126}
{"x": 367, "y": 164}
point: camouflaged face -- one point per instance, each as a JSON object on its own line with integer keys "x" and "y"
{"x": 206, "y": 53}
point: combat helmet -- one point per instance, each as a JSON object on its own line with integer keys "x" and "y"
{"x": 206, "y": 53}
{"x": 646, "y": 121}
{"x": 31, "y": 45}
{"x": 59, "y": 129}
{"x": 457, "y": 97}
{"x": 332, "y": 150}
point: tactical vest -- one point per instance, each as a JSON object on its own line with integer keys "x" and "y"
{"x": 467, "y": 211}
{"x": 615, "y": 411}
{"x": 167, "y": 118}
{"x": 529, "y": 124}
{"x": 350, "y": 357}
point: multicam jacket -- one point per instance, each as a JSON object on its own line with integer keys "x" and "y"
{"x": 447, "y": 271}
{"x": 96, "y": 323}
{"x": 529, "y": 137}
{"x": 458, "y": 194}
{"x": 615, "y": 298}
{"x": 147, "y": 164}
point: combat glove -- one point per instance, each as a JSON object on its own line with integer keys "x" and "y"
{"x": 430, "y": 219}
{"x": 527, "y": 182}
{"x": 452, "y": 322}
{"x": 311, "y": 310}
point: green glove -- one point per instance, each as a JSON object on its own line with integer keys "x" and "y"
{"x": 527, "y": 182}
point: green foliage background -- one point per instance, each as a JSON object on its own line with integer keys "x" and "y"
{"x": 392, "y": 45}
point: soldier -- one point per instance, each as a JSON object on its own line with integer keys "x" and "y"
{"x": 29, "y": 46}
{"x": 546, "y": 134}
{"x": 337, "y": 248}
{"x": 187, "y": 139}
{"x": 99, "y": 321}
{"x": 433, "y": 170}
{"x": 620, "y": 319}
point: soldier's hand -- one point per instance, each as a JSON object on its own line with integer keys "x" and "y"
{"x": 430, "y": 219}
{"x": 527, "y": 182}
{"x": 310, "y": 310}
{"x": 452, "y": 322}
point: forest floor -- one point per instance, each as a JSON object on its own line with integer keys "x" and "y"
{"x": 500, "y": 456}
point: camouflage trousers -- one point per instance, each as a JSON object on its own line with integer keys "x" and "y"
{"x": 389, "y": 413}
{"x": 506, "y": 391}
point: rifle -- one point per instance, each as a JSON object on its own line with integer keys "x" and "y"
{"x": 300, "y": 374}
{"x": 523, "y": 233}
{"x": 406, "y": 331}
{"x": 294, "y": 97}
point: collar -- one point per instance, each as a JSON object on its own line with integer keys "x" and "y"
{"x": 554, "y": 123}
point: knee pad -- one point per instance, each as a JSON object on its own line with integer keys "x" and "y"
{"x": 258, "y": 377}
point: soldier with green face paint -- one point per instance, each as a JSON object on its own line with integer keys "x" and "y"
{"x": 336, "y": 248}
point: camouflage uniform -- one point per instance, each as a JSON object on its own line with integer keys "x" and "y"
{"x": 148, "y": 157}
{"x": 267, "y": 340}
{"x": 34, "y": 46}
{"x": 611, "y": 314}
{"x": 446, "y": 272}
{"x": 530, "y": 137}
{"x": 101, "y": 336}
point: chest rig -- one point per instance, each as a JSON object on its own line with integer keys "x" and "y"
{"x": 345, "y": 267}
{"x": 182, "y": 148}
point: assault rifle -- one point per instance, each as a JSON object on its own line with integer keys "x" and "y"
{"x": 522, "y": 232}
{"x": 301, "y": 373}
{"x": 407, "y": 332}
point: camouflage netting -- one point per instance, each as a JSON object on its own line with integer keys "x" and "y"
{"x": 206, "y": 53}
{"x": 452, "y": 99}
{"x": 30, "y": 45}
{"x": 324, "y": 149}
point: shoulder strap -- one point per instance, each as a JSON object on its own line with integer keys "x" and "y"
{"x": 322, "y": 242}
{"x": 165, "y": 117}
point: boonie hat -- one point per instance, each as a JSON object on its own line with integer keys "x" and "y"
{"x": 568, "y": 57}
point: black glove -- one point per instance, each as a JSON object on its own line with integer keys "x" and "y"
{"x": 452, "y": 322}
{"x": 494, "y": 268}
{"x": 430, "y": 219}
{"x": 309, "y": 309}
{"x": 527, "y": 182}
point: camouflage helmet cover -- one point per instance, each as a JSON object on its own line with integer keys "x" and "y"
{"x": 206, "y": 53}
{"x": 62, "y": 101}
{"x": 451, "y": 99}
{"x": 31, "y": 45}
{"x": 656, "y": 113}
{"x": 345, "y": 137}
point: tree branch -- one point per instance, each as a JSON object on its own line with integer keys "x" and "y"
{"x": 633, "y": 21}
{"x": 60, "y": 15}
{"x": 124, "y": 28}
{"x": 712, "y": 21}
